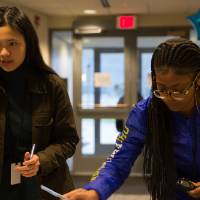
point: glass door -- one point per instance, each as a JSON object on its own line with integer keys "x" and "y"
{"x": 102, "y": 87}
{"x": 101, "y": 97}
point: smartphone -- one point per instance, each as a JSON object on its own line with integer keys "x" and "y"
{"x": 185, "y": 184}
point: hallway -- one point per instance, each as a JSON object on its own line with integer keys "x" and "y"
{"x": 129, "y": 197}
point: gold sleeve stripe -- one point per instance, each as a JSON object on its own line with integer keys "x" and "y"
{"x": 123, "y": 136}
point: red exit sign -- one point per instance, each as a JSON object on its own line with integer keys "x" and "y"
{"x": 126, "y": 22}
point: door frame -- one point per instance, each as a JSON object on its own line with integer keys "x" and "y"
{"x": 88, "y": 164}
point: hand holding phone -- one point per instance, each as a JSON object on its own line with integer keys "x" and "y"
{"x": 185, "y": 185}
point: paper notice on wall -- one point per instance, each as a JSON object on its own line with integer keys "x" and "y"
{"x": 102, "y": 79}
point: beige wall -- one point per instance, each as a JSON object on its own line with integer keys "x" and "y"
{"x": 66, "y": 23}
{"x": 42, "y": 32}
{"x": 60, "y": 22}
{"x": 142, "y": 21}
{"x": 47, "y": 22}
{"x": 162, "y": 20}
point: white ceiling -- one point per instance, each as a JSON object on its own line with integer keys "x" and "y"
{"x": 76, "y": 7}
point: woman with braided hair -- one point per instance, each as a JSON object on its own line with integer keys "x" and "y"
{"x": 166, "y": 126}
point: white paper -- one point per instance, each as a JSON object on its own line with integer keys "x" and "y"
{"x": 102, "y": 79}
{"x": 15, "y": 175}
{"x": 52, "y": 192}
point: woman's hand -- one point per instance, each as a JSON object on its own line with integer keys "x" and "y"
{"x": 82, "y": 194}
{"x": 29, "y": 167}
{"x": 196, "y": 192}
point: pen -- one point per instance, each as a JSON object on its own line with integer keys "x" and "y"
{"x": 55, "y": 194}
{"x": 32, "y": 150}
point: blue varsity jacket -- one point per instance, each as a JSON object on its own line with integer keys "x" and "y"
{"x": 129, "y": 144}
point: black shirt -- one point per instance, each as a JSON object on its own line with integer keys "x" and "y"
{"x": 18, "y": 134}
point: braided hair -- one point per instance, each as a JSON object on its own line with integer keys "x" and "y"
{"x": 183, "y": 57}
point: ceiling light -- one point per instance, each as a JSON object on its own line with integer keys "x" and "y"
{"x": 90, "y": 12}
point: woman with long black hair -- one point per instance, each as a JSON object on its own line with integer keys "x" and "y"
{"x": 34, "y": 110}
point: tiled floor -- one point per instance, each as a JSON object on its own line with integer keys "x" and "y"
{"x": 129, "y": 197}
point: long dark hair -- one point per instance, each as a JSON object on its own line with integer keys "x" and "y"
{"x": 17, "y": 20}
{"x": 183, "y": 57}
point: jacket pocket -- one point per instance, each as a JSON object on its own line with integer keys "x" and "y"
{"x": 42, "y": 127}
{"x": 42, "y": 119}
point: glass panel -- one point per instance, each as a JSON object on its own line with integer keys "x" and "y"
{"x": 108, "y": 132}
{"x": 146, "y": 74}
{"x": 112, "y": 63}
{"x": 87, "y": 77}
{"x": 102, "y": 71}
{"x": 88, "y": 135}
{"x": 95, "y": 134}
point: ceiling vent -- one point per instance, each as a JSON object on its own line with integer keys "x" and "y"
{"x": 105, "y": 3}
